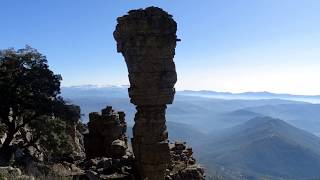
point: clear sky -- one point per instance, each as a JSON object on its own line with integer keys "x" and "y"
{"x": 227, "y": 45}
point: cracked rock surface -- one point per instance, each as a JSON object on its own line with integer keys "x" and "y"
{"x": 147, "y": 40}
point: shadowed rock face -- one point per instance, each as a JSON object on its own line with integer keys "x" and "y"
{"x": 107, "y": 134}
{"x": 147, "y": 40}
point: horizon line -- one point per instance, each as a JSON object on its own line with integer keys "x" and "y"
{"x": 194, "y": 90}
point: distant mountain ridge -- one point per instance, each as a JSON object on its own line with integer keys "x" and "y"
{"x": 206, "y": 93}
{"x": 264, "y": 147}
{"x": 202, "y": 112}
{"x": 258, "y": 93}
{"x": 199, "y": 118}
{"x": 252, "y": 95}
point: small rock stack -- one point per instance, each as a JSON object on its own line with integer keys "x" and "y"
{"x": 107, "y": 134}
{"x": 76, "y": 136}
{"x": 147, "y": 40}
{"x": 183, "y": 165}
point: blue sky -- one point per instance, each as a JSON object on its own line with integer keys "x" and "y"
{"x": 227, "y": 45}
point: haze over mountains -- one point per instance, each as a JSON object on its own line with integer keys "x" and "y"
{"x": 122, "y": 90}
{"x": 253, "y": 95}
{"x": 263, "y": 147}
{"x": 230, "y": 132}
{"x": 206, "y": 113}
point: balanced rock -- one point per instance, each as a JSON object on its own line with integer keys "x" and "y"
{"x": 183, "y": 165}
{"x": 147, "y": 40}
{"x": 107, "y": 134}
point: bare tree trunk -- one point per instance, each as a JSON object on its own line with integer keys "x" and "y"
{"x": 7, "y": 141}
{"x": 6, "y": 151}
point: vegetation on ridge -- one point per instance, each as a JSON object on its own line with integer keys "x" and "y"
{"x": 31, "y": 109}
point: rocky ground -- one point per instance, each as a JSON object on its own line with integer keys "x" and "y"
{"x": 107, "y": 155}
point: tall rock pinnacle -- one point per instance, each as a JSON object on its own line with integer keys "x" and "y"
{"x": 147, "y": 40}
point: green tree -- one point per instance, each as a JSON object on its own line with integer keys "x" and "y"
{"x": 54, "y": 134}
{"x": 29, "y": 96}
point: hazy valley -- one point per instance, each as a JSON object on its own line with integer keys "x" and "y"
{"x": 230, "y": 133}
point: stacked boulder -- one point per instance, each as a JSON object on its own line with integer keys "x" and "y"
{"x": 147, "y": 40}
{"x": 110, "y": 157}
{"x": 107, "y": 152}
{"x": 107, "y": 134}
{"x": 183, "y": 165}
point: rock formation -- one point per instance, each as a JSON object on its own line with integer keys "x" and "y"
{"x": 76, "y": 136}
{"x": 107, "y": 152}
{"x": 182, "y": 164}
{"x": 147, "y": 40}
{"x": 107, "y": 134}
{"x": 108, "y": 156}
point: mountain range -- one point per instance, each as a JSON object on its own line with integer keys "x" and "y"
{"x": 240, "y": 136}
{"x": 263, "y": 147}
{"x": 122, "y": 90}
{"x": 252, "y": 95}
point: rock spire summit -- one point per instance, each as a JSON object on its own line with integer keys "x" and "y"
{"x": 147, "y": 40}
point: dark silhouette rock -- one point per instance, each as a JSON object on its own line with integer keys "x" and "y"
{"x": 107, "y": 152}
{"x": 107, "y": 134}
{"x": 147, "y": 40}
